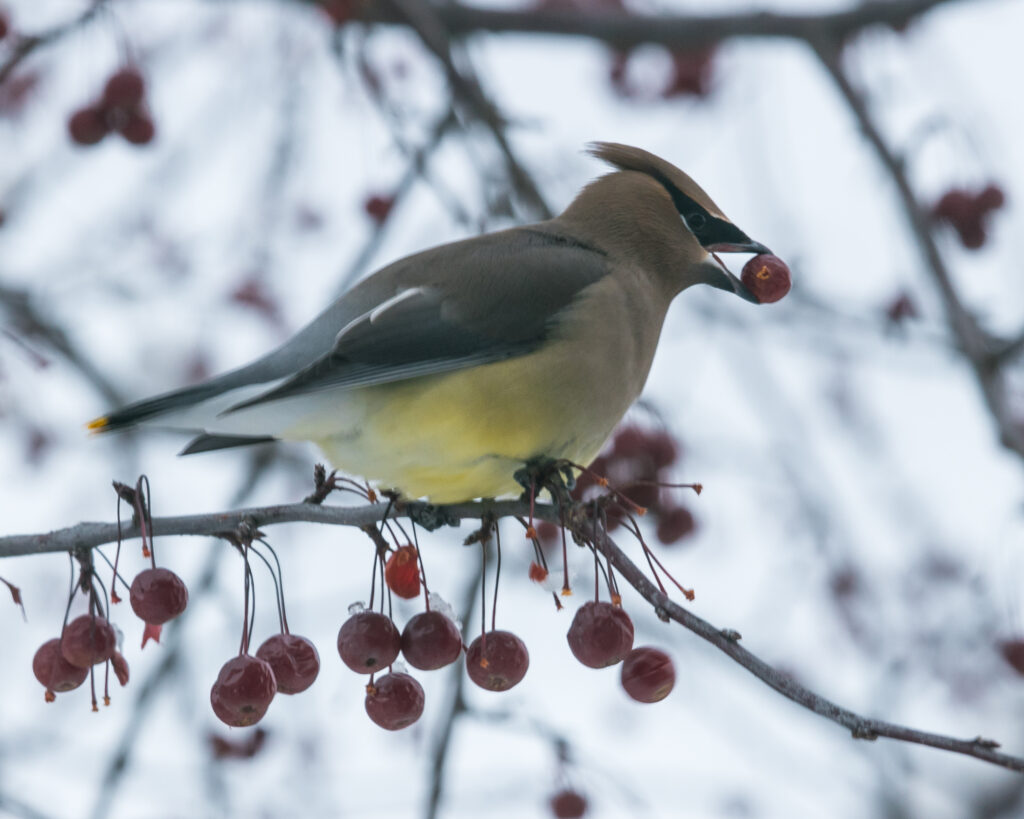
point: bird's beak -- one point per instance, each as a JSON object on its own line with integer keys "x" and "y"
{"x": 722, "y": 278}
{"x": 738, "y": 247}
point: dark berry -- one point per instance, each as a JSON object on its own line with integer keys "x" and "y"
{"x": 88, "y": 640}
{"x": 430, "y": 640}
{"x": 691, "y": 73}
{"x": 54, "y": 672}
{"x": 642, "y": 494}
{"x": 568, "y": 804}
{"x": 394, "y": 701}
{"x": 5, "y": 26}
{"x": 402, "y": 572}
{"x": 158, "y": 595}
{"x": 675, "y": 524}
{"x": 648, "y": 674}
{"x": 767, "y": 277}
{"x": 368, "y": 642}
{"x": 497, "y": 660}
{"x": 379, "y": 207}
{"x": 629, "y": 442}
{"x": 294, "y": 660}
{"x": 339, "y": 11}
{"x": 662, "y": 448}
{"x": 138, "y": 129}
{"x": 991, "y": 198}
{"x": 601, "y": 634}
{"x": 243, "y": 691}
{"x": 1012, "y": 651}
{"x": 124, "y": 89}
{"x": 88, "y": 126}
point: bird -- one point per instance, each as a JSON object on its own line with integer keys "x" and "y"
{"x": 443, "y": 373}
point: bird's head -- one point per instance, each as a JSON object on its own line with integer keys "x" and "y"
{"x": 656, "y": 213}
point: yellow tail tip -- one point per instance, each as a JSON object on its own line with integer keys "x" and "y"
{"x": 97, "y": 424}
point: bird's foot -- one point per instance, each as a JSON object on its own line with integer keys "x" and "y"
{"x": 553, "y": 474}
{"x": 430, "y": 516}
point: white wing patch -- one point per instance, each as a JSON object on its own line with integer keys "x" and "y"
{"x": 373, "y": 315}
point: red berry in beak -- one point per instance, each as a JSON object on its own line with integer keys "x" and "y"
{"x": 767, "y": 277}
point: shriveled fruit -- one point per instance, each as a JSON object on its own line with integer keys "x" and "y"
{"x": 648, "y": 674}
{"x": 243, "y": 691}
{"x": 601, "y": 634}
{"x": 368, "y": 642}
{"x": 767, "y": 277}
{"x": 294, "y": 660}
{"x": 431, "y": 640}
{"x": 394, "y": 701}
{"x": 402, "y": 572}
{"x": 120, "y": 666}
{"x": 568, "y": 804}
{"x": 88, "y": 640}
{"x": 158, "y": 595}
{"x": 54, "y": 672}
{"x": 497, "y": 660}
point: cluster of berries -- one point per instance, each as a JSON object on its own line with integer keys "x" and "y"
{"x": 120, "y": 108}
{"x": 601, "y": 635}
{"x": 635, "y": 465}
{"x": 62, "y": 664}
{"x": 968, "y": 212}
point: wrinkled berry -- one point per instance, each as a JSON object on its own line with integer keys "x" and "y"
{"x": 601, "y": 634}
{"x": 497, "y": 660}
{"x": 243, "y": 691}
{"x": 431, "y": 640}
{"x": 368, "y": 642}
{"x": 648, "y": 674}
{"x": 294, "y": 660}
{"x": 158, "y": 595}
{"x": 394, "y": 701}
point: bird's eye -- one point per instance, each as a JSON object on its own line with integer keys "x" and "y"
{"x": 696, "y": 222}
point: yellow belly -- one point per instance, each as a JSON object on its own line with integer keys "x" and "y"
{"x": 463, "y": 434}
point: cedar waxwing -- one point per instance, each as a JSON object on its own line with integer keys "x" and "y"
{"x": 443, "y": 373}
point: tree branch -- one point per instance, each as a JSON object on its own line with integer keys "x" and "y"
{"x": 728, "y": 642}
{"x": 623, "y": 29}
{"x": 975, "y": 345}
{"x": 24, "y": 45}
{"x": 88, "y": 535}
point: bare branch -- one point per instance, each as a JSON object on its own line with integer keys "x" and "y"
{"x": 975, "y": 345}
{"x": 728, "y": 642}
{"x": 87, "y": 535}
{"x": 27, "y": 44}
{"x": 622, "y": 29}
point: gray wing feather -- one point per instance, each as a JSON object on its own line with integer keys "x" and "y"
{"x": 499, "y": 299}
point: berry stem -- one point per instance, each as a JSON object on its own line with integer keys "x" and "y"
{"x": 497, "y": 576}
{"x": 278, "y": 594}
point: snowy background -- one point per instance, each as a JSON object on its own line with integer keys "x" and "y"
{"x": 860, "y": 523}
